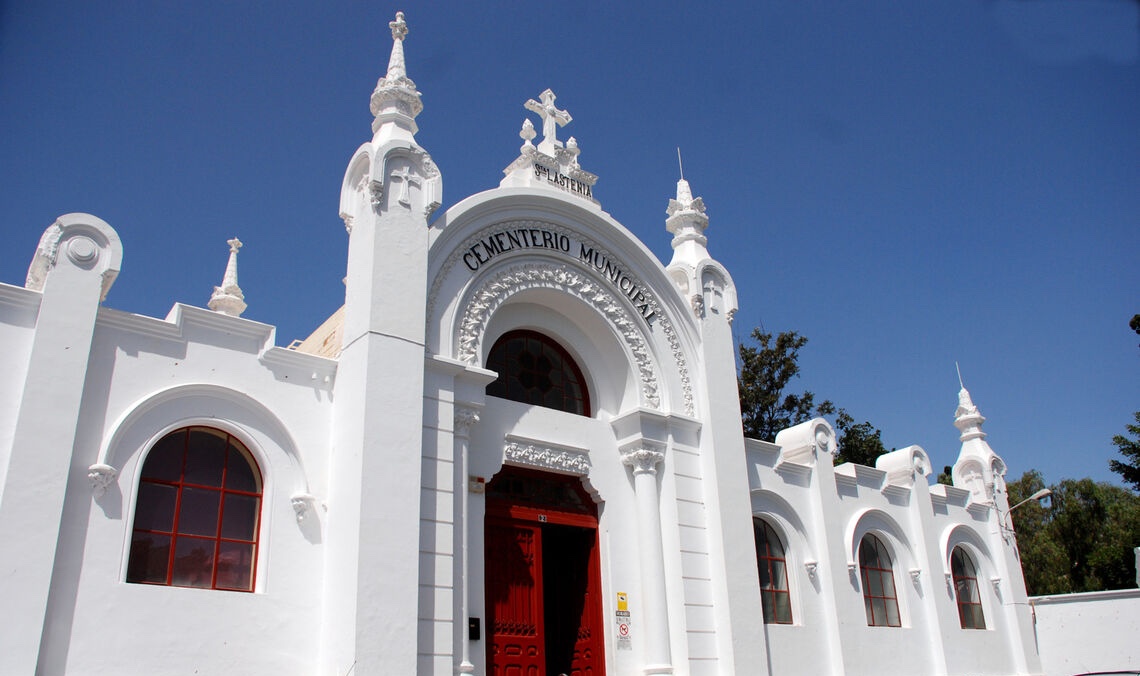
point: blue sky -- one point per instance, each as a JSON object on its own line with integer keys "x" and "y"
{"x": 908, "y": 184}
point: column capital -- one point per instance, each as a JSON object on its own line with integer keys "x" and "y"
{"x": 643, "y": 459}
{"x": 465, "y": 417}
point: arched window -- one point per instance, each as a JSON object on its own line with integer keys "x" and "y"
{"x": 536, "y": 370}
{"x": 966, "y": 590}
{"x": 197, "y": 513}
{"x": 879, "y": 597}
{"x": 770, "y": 559}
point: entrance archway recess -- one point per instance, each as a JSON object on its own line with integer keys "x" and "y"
{"x": 543, "y": 579}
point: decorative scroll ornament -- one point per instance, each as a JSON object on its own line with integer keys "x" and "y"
{"x": 303, "y": 505}
{"x": 509, "y": 281}
{"x": 643, "y": 460}
{"x": 915, "y": 574}
{"x": 544, "y": 457}
{"x": 101, "y": 477}
{"x": 812, "y": 568}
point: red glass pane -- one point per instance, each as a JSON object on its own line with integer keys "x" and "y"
{"x": 193, "y": 562}
{"x": 239, "y": 517}
{"x": 198, "y": 513}
{"x": 150, "y": 556}
{"x": 235, "y": 566}
{"x": 205, "y": 458}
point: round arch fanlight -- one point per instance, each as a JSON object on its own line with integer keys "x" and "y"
{"x": 534, "y": 369}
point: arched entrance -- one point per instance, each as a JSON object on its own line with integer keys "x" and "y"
{"x": 543, "y": 580}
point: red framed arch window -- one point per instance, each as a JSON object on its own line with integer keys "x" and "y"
{"x": 533, "y": 369}
{"x": 880, "y": 599}
{"x": 966, "y": 590}
{"x": 772, "y": 562}
{"x": 197, "y": 513}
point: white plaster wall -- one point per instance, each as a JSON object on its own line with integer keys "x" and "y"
{"x": 18, "y": 308}
{"x": 139, "y": 387}
{"x": 817, "y": 510}
{"x": 1094, "y": 631}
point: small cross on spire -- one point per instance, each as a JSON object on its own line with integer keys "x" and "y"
{"x": 551, "y": 116}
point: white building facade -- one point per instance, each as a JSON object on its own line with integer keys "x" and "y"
{"x": 516, "y": 449}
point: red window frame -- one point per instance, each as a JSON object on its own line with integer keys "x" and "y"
{"x": 183, "y": 535}
{"x": 772, "y": 563}
{"x": 880, "y": 598}
{"x": 534, "y": 369}
{"x": 966, "y": 590}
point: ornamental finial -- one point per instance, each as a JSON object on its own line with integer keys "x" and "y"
{"x": 228, "y": 298}
{"x": 395, "y": 98}
{"x": 396, "y": 68}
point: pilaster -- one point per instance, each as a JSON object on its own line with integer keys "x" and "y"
{"x": 77, "y": 260}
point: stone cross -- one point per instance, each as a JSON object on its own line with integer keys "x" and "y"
{"x": 405, "y": 177}
{"x": 550, "y": 116}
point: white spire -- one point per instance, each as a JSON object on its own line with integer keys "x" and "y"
{"x": 687, "y": 221}
{"x": 395, "y": 100}
{"x": 228, "y": 298}
{"x": 967, "y": 418}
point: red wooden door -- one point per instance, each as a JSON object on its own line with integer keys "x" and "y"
{"x": 543, "y": 577}
{"x": 514, "y": 599}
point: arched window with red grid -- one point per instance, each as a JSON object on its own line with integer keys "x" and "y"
{"x": 197, "y": 513}
{"x": 880, "y": 599}
{"x": 533, "y": 369}
{"x": 773, "y": 565}
{"x": 966, "y": 590}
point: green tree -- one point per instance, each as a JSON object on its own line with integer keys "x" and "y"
{"x": 766, "y": 369}
{"x": 1130, "y": 449}
{"x": 1129, "y": 469}
{"x": 1083, "y": 542}
{"x": 860, "y": 443}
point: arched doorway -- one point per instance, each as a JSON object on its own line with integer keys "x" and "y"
{"x": 543, "y": 580}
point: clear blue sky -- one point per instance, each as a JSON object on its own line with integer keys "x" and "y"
{"x": 905, "y": 183}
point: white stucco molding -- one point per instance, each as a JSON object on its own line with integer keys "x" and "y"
{"x": 961, "y": 535}
{"x": 903, "y": 465}
{"x": 197, "y": 404}
{"x": 86, "y": 241}
{"x": 590, "y": 289}
{"x": 801, "y": 444}
{"x": 872, "y": 520}
{"x": 495, "y": 290}
{"x": 524, "y": 452}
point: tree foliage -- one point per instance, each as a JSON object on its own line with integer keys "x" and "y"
{"x": 860, "y": 443}
{"x": 766, "y": 370}
{"x": 1082, "y": 542}
{"x": 1129, "y": 469}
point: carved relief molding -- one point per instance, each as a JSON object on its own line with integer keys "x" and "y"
{"x": 511, "y": 280}
{"x": 530, "y": 454}
{"x": 607, "y": 303}
{"x": 101, "y": 477}
{"x": 465, "y": 417}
